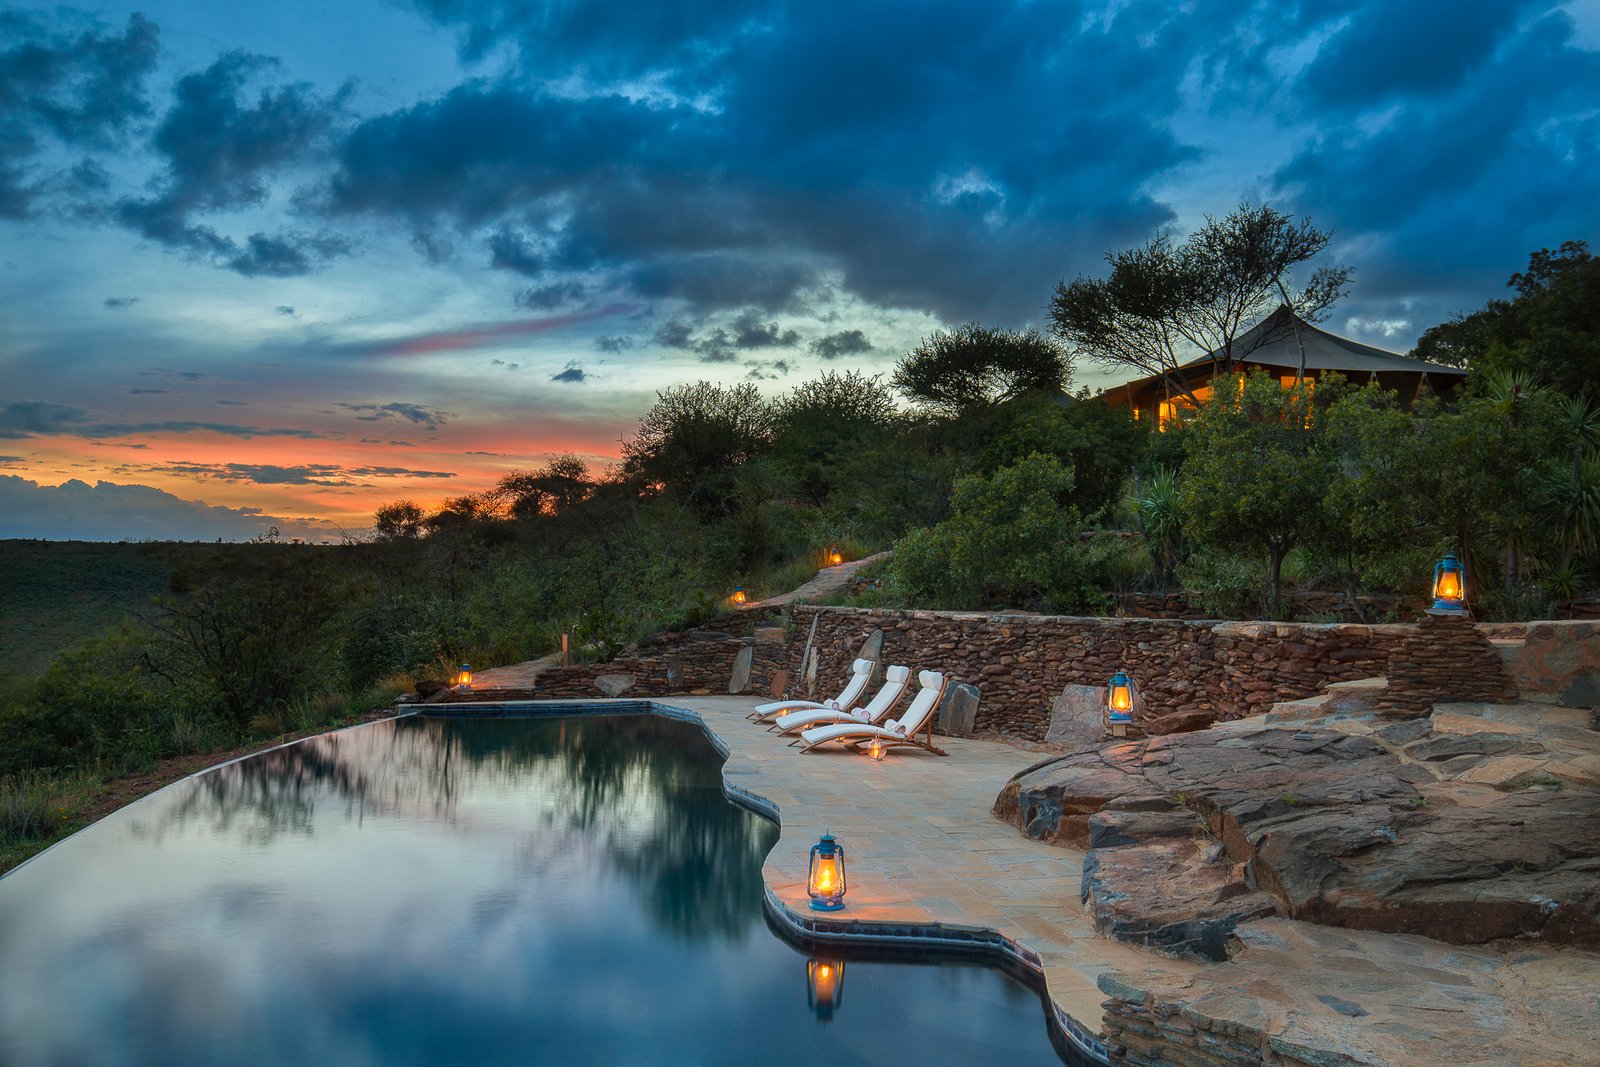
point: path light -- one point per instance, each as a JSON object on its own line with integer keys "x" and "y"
{"x": 876, "y": 749}
{"x": 1119, "y": 704}
{"x": 738, "y": 594}
{"x": 835, "y": 557}
{"x": 824, "y": 986}
{"x": 825, "y": 883}
{"x": 1449, "y": 588}
{"x": 464, "y": 677}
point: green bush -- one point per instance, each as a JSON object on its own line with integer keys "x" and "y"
{"x": 1009, "y": 542}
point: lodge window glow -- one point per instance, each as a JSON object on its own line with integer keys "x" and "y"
{"x": 1449, "y": 587}
{"x": 825, "y": 883}
{"x": 824, "y": 987}
{"x": 1119, "y": 704}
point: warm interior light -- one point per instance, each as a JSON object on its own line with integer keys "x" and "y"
{"x": 1447, "y": 586}
{"x": 835, "y": 558}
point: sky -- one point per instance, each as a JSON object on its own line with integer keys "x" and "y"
{"x": 277, "y": 264}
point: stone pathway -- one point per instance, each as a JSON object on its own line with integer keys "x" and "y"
{"x": 829, "y": 580}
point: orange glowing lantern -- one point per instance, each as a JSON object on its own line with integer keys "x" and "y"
{"x": 1449, "y": 588}
{"x": 738, "y": 594}
{"x": 835, "y": 557}
{"x": 824, "y": 987}
{"x": 464, "y": 677}
{"x": 1119, "y": 704}
{"x": 876, "y": 749}
{"x": 825, "y": 883}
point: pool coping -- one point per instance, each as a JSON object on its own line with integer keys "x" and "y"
{"x": 977, "y": 940}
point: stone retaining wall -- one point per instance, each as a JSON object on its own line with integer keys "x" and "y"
{"x": 1441, "y": 659}
{"x": 1189, "y": 672}
{"x": 1201, "y": 669}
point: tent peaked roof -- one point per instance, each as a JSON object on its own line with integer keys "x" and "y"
{"x": 1271, "y": 343}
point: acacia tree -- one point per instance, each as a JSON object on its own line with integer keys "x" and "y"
{"x": 975, "y": 367}
{"x": 824, "y": 427}
{"x": 1163, "y": 303}
{"x": 694, "y": 437}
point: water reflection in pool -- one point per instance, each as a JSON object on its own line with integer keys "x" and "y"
{"x": 457, "y": 892}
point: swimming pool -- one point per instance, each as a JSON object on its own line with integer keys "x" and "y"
{"x": 460, "y": 891}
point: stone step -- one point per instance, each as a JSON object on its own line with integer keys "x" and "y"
{"x": 1363, "y": 694}
{"x": 1296, "y": 710}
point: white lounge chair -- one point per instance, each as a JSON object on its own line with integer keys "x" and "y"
{"x": 894, "y": 687}
{"x": 917, "y": 719}
{"x": 860, "y": 675}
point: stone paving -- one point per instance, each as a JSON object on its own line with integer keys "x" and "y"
{"x": 922, "y": 847}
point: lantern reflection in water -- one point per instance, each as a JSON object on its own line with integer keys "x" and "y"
{"x": 824, "y": 987}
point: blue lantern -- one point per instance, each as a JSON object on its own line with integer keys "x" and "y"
{"x": 1119, "y": 700}
{"x": 1449, "y": 588}
{"x": 825, "y": 881}
{"x": 464, "y": 677}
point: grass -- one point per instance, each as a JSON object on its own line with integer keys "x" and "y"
{"x": 37, "y": 810}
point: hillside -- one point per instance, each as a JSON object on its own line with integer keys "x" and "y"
{"x": 55, "y": 593}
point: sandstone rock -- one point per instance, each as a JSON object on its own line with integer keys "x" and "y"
{"x": 1183, "y": 722}
{"x": 1335, "y": 828}
{"x": 1077, "y": 718}
{"x": 614, "y": 685}
{"x": 872, "y": 649}
{"x": 740, "y": 681}
{"x": 1506, "y": 772}
{"x": 958, "y": 710}
{"x": 674, "y": 672}
{"x": 1160, "y": 895}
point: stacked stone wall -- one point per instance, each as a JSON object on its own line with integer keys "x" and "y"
{"x": 1444, "y": 658}
{"x": 1221, "y": 670}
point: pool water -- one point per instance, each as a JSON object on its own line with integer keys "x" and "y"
{"x": 458, "y": 891}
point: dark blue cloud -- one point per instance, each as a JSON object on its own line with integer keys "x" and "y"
{"x": 221, "y": 148}
{"x": 1393, "y": 49}
{"x": 79, "y": 89}
{"x": 929, "y": 156}
{"x": 571, "y": 374}
{"x": 843, "y": 343}
{"x": 408, "y": 412}
{"x": 1449, "y": 192}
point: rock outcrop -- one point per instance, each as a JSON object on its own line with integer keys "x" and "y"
{"x": 1479, "y": 823}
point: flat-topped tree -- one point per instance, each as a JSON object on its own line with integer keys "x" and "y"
{"x": 973, "y": 367}
{"x": 1164, "y": 303}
